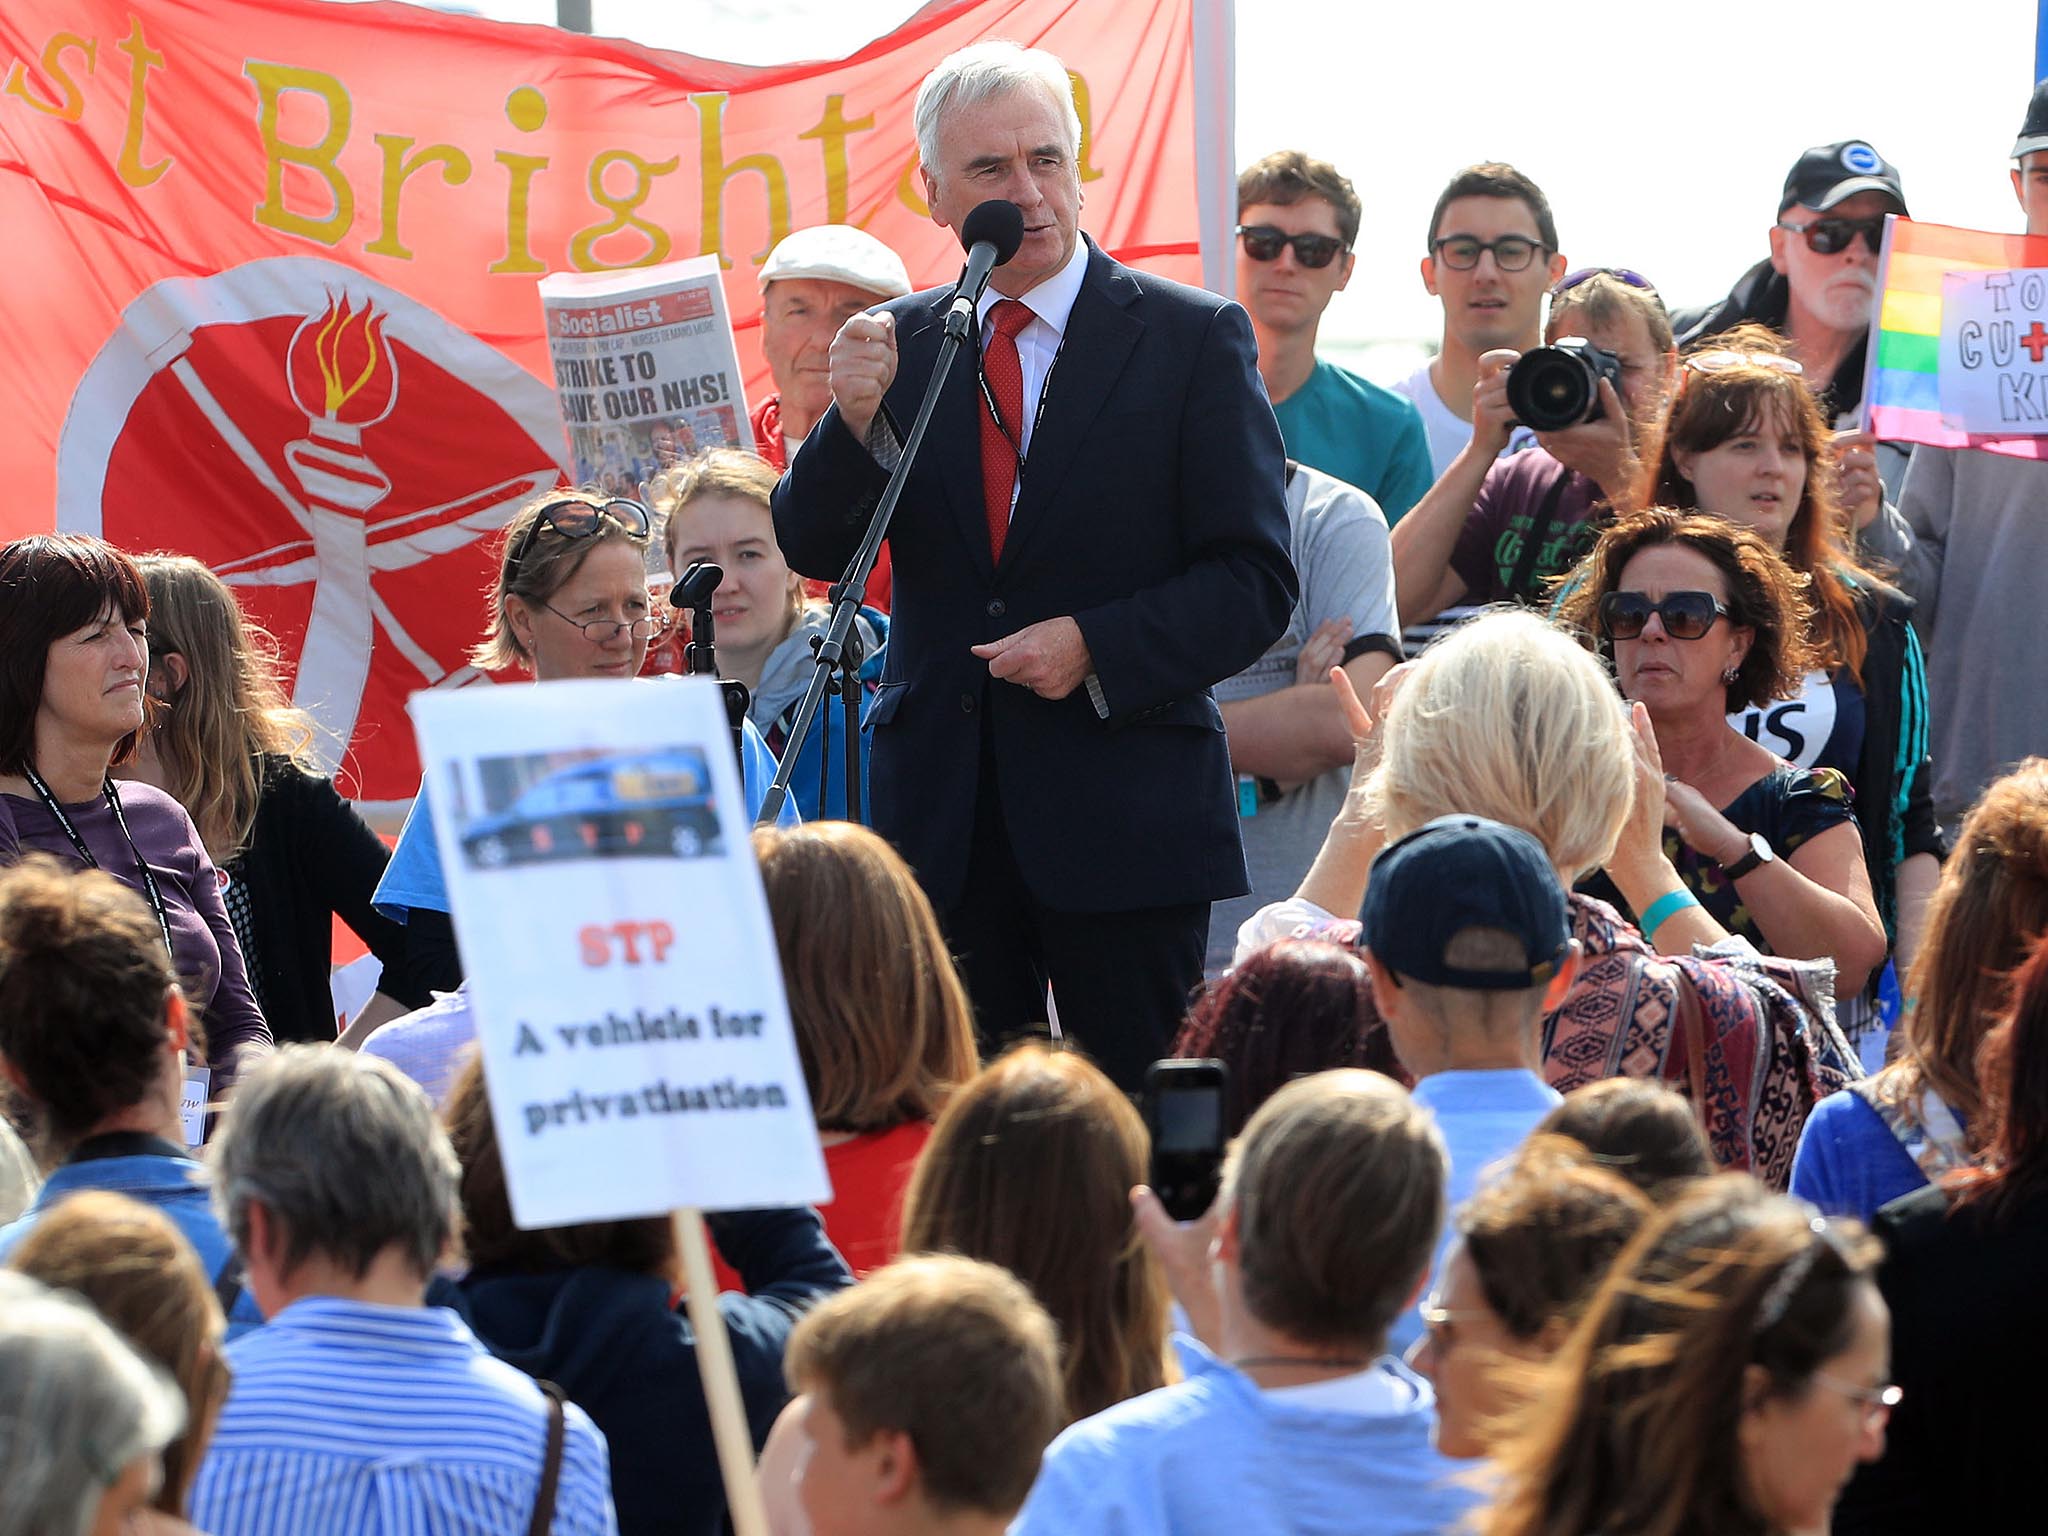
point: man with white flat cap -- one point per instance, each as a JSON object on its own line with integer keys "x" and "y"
{"x": 814, "y": 281}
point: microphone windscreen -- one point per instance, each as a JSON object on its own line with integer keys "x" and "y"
{"x": 999, "y": 223}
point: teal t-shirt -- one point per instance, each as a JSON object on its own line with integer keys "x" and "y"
{"x": 1364, "y": 435}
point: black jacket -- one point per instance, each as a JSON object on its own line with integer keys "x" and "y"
{"x": 1762, "y": 295}
{"x": 310, "y": 857}
{"x": 1153, "y": 511}
{"x": 1895, "y": 712}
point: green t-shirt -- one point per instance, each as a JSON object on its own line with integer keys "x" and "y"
{"x": 1364, "y": 435}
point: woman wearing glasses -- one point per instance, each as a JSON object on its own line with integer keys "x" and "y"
{"x": 1702, "y": 620}
{"x": 1727, "y": 1377}
{"x": 570, "y": 601}
{"x": 1744, "y": 439}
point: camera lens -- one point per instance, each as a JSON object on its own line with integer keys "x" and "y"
{"x": 1553, "y": 387}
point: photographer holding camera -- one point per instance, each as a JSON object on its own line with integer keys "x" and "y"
{"x": 1499, "y": 530}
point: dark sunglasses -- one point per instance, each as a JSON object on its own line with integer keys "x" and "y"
{"x": 1572, "y": 280}
{"x": 1461, "y": 253}
{"x": 1685, "y": 615}
{"x": 1827, "y": 237}
{"x": 574, "y": 518}
{"x": 1262, "y": 242}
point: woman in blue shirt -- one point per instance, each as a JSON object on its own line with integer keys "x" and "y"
{"x": 1892, "y": 1133}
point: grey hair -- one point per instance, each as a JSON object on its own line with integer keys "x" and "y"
{"x": 77, "y": 1405}
{"x": 344, "y": 1154}
{"x": 981, "y": 72}
{"x": 1509, "y": 717}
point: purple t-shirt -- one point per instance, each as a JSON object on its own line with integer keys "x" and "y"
{"x": 209, "y": 960}
{"x": 1510, "y": 502}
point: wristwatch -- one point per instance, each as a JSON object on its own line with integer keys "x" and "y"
{"x": 1760, "y": 853}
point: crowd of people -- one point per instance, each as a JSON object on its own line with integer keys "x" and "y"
{"x": 1605, "y": 853}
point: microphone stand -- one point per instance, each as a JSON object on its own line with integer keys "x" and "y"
{"x": 695, "y": 590}
{"x": 839, "y": 650}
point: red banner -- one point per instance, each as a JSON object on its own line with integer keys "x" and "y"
{"x": 271, "y": 269}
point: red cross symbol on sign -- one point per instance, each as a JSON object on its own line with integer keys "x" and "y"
{"x": 2035, "y": 341}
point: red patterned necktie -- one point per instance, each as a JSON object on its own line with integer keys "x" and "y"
{"x": 1003, "y": 372}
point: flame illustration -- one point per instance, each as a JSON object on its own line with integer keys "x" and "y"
{"x": 346, "y": 346}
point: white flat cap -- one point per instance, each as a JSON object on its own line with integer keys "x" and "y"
{"x": 838, "y": 253}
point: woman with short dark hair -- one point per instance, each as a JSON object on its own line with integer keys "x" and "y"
{"x": 74, "y": 656}
{"x": 1701, "y": 619}
{"x": 596, "y": 1308}
{"x": 94, "y": 1032}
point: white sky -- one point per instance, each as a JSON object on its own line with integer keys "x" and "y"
{"x": 1662, "y": 132}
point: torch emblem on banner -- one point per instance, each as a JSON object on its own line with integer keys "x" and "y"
{"x": 343, "y": 375}
{"x": 357, "y": 416}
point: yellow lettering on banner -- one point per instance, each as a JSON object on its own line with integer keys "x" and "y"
{"x": 145, "y": 58}
{"x": 272, "y": 81}
{"x": 582, "y": 253}
{"x": 1081, "y": 109}
{"x": 69, "y": 103}
{"x": 398, "y": 169}
{"x": 716, "y": 173}
{"x": 907, "y": 192}
{"x": 831, "y": 130}
{"x": 526, "y": 110}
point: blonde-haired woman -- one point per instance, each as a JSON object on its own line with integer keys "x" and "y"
{"x": 1510, "y": 718}
{"x": 716, "y": 507}
{"x": 226, "y": 743}
{"x": 570, "y": 600}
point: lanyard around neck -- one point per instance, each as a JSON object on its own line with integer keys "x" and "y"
{"x": 988, "y": 398}
{"x": 149, "y": 886}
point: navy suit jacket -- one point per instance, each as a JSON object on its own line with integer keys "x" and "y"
{"x": 1151, "y": 511}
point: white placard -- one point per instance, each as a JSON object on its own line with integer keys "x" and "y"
{"x": 192, "y": 1103}
{"x": 351, "y": 987}
{"x": 1993, "y": 364}
{"x": 645, "y": 369}
{"x": 621, "y": 962}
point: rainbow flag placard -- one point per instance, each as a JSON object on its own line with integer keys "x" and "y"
{"x": 1960, "y": 355}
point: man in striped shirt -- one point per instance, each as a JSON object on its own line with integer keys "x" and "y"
{"x": 359, "y": 1409}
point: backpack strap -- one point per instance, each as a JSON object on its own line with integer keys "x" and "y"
{"x": 551, "y": 1464}
{"x": 227, "y": 1285}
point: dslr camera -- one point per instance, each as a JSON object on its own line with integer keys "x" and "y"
{"x": 1559, "y": 386}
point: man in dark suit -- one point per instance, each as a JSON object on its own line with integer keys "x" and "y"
{"x": 1093, "y": 533}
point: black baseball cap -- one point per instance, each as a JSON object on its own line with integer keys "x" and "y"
{"x": 2034, "y": 131}
{"x": 1827, "y": 173}
{"x": 1461, "y": 872}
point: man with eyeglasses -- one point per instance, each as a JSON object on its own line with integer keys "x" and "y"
{"x": 1969, "y": 540}
{"x": 1492, "y": 256}
{"x": 1297, "y": 221}
{"x": 1819, "y": 284}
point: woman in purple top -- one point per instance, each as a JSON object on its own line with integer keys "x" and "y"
{"x": 73, "y": 654}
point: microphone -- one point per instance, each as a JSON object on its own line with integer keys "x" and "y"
{"x": 991, "y": 232}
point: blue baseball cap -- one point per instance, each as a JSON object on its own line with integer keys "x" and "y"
{"x": 1461, "y": 872}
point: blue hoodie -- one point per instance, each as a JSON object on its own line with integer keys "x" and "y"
{"x": 1215, "y": 1456}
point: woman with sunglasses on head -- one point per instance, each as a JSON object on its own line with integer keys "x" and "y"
{"x": 1744, "y": 440}
{"x": 1725, "y": 1379}
{"x": 74, "y": 658}
{"x": 1500, "y": 529}
{"x": 1702, "y": 620}
{"x": 570, "y": 602}
{"x": 293, "y": 854}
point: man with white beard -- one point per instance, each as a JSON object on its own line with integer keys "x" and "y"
{"x": 1819, "y": 284}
